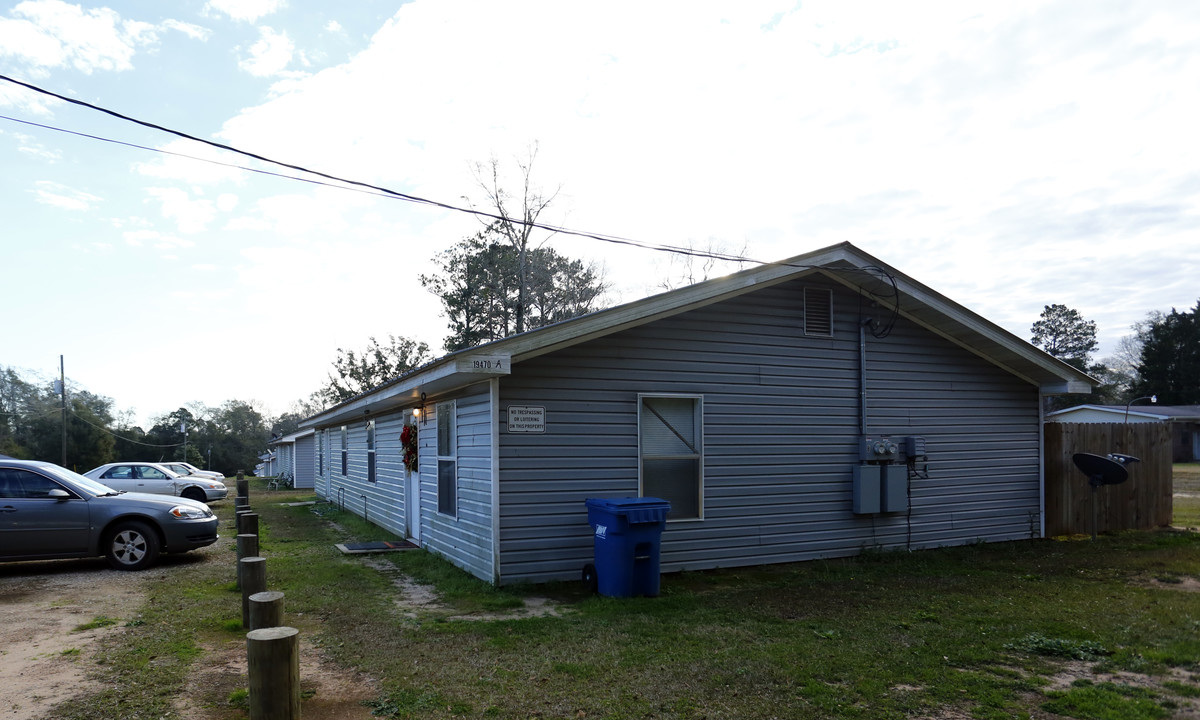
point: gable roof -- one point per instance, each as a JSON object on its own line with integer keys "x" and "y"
{"x": 843, "y": 263}
{"x": 1168, "y": 413}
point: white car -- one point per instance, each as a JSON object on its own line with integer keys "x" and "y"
{"x": 145, "y": 477}
{"x": 182, "y": 468}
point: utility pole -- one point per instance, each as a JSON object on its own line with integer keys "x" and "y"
{"x": 62, "y": 394}
{"x": 183, "y": 429}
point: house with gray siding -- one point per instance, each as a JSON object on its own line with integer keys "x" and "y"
{"x": 297, "y": 454}
{"x": 804, "y": 409}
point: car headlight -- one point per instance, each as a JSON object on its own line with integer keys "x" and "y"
{"x": 189, "y": 512}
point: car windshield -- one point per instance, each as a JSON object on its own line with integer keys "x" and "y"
{"x": 84, "y": 483}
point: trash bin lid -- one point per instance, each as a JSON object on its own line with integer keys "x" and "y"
{"x": 633, "y": 509}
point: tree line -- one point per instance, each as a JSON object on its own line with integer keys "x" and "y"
{"x": 226, "y": 438}
{"x": 1160, "y": 357}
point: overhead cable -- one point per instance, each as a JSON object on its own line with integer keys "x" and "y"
{"x": 394, "y": 194}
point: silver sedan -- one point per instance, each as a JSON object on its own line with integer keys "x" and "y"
{"x": 153, "y": 478}
{"x": 50, "y": 512}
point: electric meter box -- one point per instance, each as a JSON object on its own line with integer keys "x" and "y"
{"x": 894, "y": 488}
{"x": 865, "y": 490}
{"x": 879, "y": 489}
{"x": 880, "y": 449}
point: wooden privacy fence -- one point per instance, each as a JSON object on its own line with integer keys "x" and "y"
{"x": 1141, "y": 502}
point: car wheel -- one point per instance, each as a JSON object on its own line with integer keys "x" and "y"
{"x": 194, "y": 493}
{"x": 132, "y": 546}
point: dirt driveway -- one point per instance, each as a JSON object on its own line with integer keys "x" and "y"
{"x": 53, "y": 613}
{"x": 44, "y": 643}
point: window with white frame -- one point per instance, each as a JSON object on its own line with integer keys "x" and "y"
{"x": 447, "y": 453}
{"x": 371, "y": 451}
{"x": 671, "y": 452}
{"x": 345, "y": 451}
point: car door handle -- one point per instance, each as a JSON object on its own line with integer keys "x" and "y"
{"x": 8, "y": 508}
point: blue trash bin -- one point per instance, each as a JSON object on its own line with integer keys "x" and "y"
{"x": 628, "y": 538}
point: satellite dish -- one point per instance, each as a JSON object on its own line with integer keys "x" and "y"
{"x": 1101, "y": 470}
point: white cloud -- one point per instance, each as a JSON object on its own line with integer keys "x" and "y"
{"x": 195, "y": 32}
{"x": 270, "y": 55}
{"x": 52, "y": 33}
{"x": 61, "y": 196}
{"x": 246, "y": 10}
{"x": 191, "y": 216}
{"x": 195, "y": 163}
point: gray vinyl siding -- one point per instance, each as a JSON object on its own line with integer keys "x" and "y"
{"x": 379, "y": 502}
{"x": 466, "y": 539}
{"x": 306, "y": 458}
{"x": 781, "y": 434}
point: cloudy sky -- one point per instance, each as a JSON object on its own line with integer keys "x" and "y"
{"x": 1007, "y": 154}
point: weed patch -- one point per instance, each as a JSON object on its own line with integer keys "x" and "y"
{"x": 1106, "y": 701}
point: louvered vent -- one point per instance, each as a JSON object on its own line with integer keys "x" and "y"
{"x": 818, "y": 312}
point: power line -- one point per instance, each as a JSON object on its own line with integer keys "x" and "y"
{"x": 394, "y": 194}
{"x": 84, "y": 420}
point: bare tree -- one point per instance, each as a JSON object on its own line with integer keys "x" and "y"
{"x": 698, "y": 264}
{"x": 518, "y": 215}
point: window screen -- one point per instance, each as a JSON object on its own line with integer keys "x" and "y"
{"x": 447, "y": 450}
{"x": 371, "y": 451}
{"x": 669, "y": 442}
{"x": 345, "y": 451}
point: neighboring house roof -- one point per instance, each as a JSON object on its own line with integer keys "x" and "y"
{"x": 843, "y": 263}
{"x": 289, "y": 439}
{"x": 1165, "y": 413}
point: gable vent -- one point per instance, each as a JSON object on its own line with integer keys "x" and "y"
{"x": 818, "y": 312}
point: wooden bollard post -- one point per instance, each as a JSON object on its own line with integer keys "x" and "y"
{"x": 241, "y": 502}
{"x": 254, "y": 580}
{"x": 266, "y": 609}
{"x": 243, "y": 487}
{"x": 273, "y": 667}
{"x": 247, "y": 546}
{"x": 247, "y": 523}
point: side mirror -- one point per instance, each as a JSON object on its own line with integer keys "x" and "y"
{"x": 58, "y": 494}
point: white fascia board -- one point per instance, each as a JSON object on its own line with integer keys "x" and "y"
{"x": 446, "y": 374}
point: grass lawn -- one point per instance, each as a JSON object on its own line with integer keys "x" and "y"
{"x": 1186, "y": 486}
{"x": 1105, "y": 629}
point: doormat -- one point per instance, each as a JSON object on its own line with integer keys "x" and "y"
{"x": 374, "y": 546}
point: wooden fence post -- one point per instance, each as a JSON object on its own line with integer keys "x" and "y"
{"x": 266, "y": 609}
{"x": 247, "y": 523}
{"x": 254, "y": 580}
{"x": 273, "y": 667}
{"x": 247, "y": 546}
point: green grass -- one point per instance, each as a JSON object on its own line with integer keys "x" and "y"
{"x": 978, "y": 630}
{"x": 99, "y": 622}
{"x": 1186, "y": 482}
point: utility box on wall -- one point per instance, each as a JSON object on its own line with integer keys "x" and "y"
{"x": 866, "y": 490}
{"x": 879, "y": 489}
{"x": 894, "y": 488}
